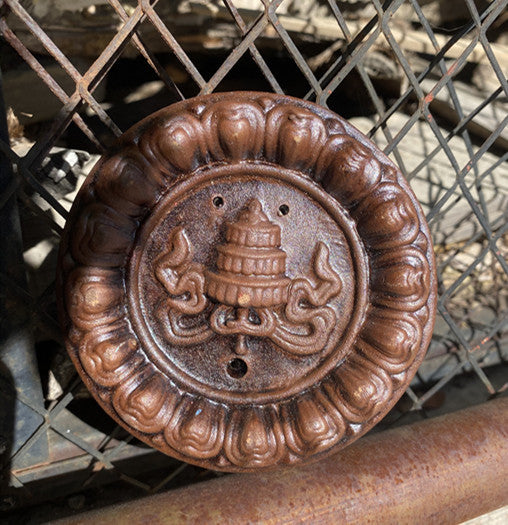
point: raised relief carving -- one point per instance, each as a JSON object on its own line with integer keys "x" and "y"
{"x": 250, "y": 292}
{"x": 311, "y": 425}
{"x": 202, "y": 432}
{"x": 145, "y": 400}
{"x": 108, "y": 355}
{"x": 347, "y": 303}
{"x": 254, "y": 438}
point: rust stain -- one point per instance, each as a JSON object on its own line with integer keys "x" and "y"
{"x": 391, "y": 477}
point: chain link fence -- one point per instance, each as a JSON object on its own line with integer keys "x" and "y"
{"x": 425, "y": 80}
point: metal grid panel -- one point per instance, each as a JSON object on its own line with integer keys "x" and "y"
{"x": 452, "y": 154}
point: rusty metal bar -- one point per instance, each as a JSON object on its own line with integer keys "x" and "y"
{"x": 30, "y": 59}
{"x": 147, "y": 54}
{"x": 444, "y": 470}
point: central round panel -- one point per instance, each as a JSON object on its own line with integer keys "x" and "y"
{"x": 247, "y": 282}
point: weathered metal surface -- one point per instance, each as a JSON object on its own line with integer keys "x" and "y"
{"x": 19, "y": 376}
{"x": 444, "y": 470}
{"x": 246, "y": 282}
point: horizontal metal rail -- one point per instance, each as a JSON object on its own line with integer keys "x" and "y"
{"x": 444, "y": 470}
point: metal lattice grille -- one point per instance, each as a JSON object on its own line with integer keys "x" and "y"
{"x": 433, "y": 97}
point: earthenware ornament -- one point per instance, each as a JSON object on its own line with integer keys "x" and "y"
{"x": 246, "y": 282}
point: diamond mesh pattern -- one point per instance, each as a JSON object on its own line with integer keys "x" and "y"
{"x": 452, "y": 147}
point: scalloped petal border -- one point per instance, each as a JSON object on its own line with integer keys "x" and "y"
{"x": 153, "y": 156}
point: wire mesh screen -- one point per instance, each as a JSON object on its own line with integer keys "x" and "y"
{"x": 425, "y": 80}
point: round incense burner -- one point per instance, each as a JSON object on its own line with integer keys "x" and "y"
{"x": 246, "y": 282}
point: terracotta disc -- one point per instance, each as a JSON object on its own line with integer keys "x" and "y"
{"x": 246, "y": 282}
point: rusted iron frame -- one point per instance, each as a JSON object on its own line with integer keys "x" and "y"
{"x": 461, "y": 32}
{"x": 443, "y": 470}
{"x": 85, "y": 89}
{"x": 464, "y": 133}
{"x": 146, "y": 53}
{"x": 47, "y": 414}
{"x": 148, "y": 10}
{"x": 456, "y": 130}
{"x": 482, "y": 35}
{"x": 55, "y": 88}
{"x": 256, "y": 55}
{"x": 466, "y": 351}
{"x": 367, "y": 82}
{"x": 253, "y": 32}
{"x": 271, "y": 14}
{"x": 500, "y": 226}
{"x": 446, "y": 294}
{"x": 21, "y": 394}
{"x": 424, "y": 110}
{"x": 346, "y": 61}
{"x": 101, "y": 454}
{"x": 30, "y": 178}
{"x": 424, "y": 100}
{"x": 84, "y": 84}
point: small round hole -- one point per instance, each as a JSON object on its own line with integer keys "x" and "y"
{"x": 237, "y": 368}
{"x": 218, "y": 201}
{"x": 283, "y": 209}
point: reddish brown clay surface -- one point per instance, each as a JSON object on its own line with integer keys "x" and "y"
{"x": 246, "y": 282}
{"x": 441, "y": 471}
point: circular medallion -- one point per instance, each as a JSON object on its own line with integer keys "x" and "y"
{"x": 246, "y": 282}
{"x": 254, "y": 265}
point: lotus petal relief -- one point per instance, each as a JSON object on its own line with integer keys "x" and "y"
{"x": 246, "y": 282}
